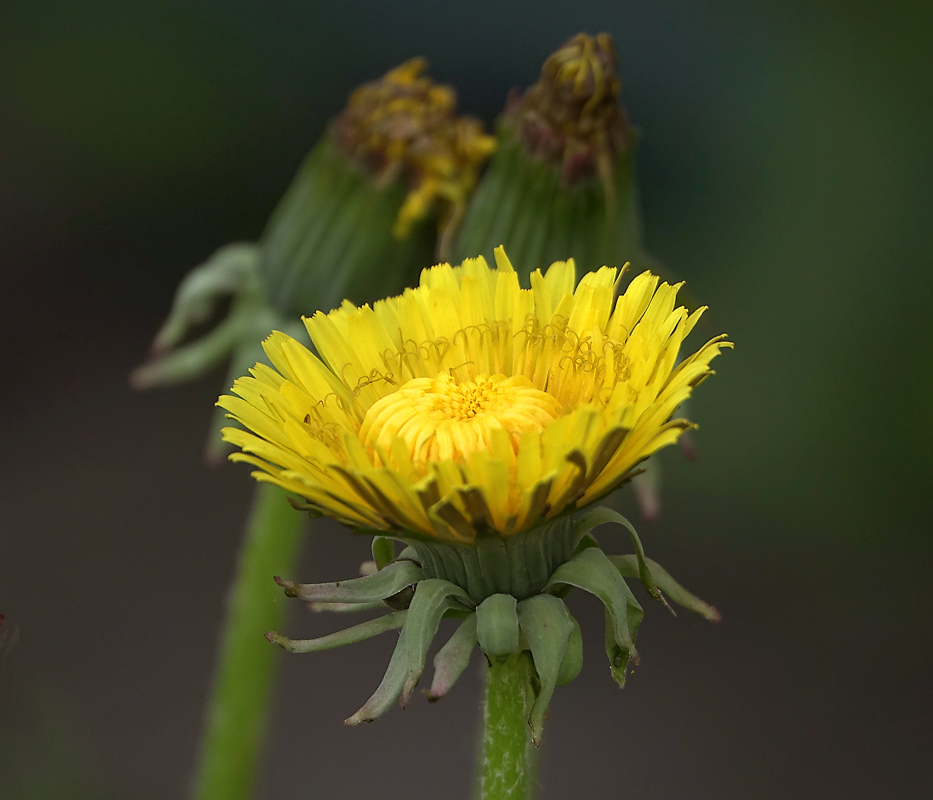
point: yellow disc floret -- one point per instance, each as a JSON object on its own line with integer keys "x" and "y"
{"x": 440, "y": 418}
{"x": 469, "y": 403}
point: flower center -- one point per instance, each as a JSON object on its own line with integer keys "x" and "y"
{"x": 439, "y": 418}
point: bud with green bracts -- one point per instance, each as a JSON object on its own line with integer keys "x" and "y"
{"x": 382, "y": 191}
{"x": 364, "y": 215}
{"x": 561, "y": 183}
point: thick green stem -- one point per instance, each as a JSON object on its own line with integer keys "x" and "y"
{"x": 242, "y": 690}
{"x": 506, "y": 766}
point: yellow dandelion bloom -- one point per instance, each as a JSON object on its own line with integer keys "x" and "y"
{"x": 470, "y": 404}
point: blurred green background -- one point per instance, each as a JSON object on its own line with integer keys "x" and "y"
{"x": 785, "y": 165}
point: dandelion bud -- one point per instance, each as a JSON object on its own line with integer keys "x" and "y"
{"x": 364, "y": 213}
{"x": 561, "y": 182}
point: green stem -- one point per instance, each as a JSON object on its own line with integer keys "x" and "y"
{"x": 242, "y": 690}
{"x": 506, "y": 768}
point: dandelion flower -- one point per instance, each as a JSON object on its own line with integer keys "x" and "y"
{"x": 469, "y": 405}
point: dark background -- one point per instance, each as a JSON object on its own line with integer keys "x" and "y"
{"x": 786, "y": 172}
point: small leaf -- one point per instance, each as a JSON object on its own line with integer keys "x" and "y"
{"x": 601, "y": 515}
{"x": 452, "y": 659}
{"x": 619, "y": 657}
{"x": 357, "y": 633}
{"x": 628, "y": 567}
{"x": 340, "y": 608}
{"x": 547, "y": 627}
{"x": 497, "y": 625}
{"x": 383, "y": 584}
{"x": 389, "y": 689}
{"x": 433, "y": 597}
{"x": 383, "y": 551}
{"x": 224, "y": 273}
{"x": 584, "y": 543}
{"x": 592, "y": 571}
{"x": 573, "y": 659}
{"x": 191, "y": 360}
{"x": 408, "y": 553}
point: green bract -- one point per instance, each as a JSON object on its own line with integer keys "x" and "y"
{"x": 508, "y": 592}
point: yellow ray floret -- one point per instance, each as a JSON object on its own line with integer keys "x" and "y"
{"x": 469, "y": 403}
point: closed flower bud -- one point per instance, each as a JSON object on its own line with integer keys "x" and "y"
{"x": 561, "y": 183}
{"x": 392, "y": 174}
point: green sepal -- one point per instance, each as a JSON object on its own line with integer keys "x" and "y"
{"x": 389, "y": 689}
{"x": 547, "y": 628}
{"x": 232, "y": 270}
{"x": 383, "y": 551}
{"x": 410, "y": 554}
{"x": 299, "y": 504}
{"x": 432, "y": 598}
{"x": 379, "y": 586}
{"x": 227, "y": 272}
{"x": 357, "y": 633}
{"x": 600, "y": 516}
{"x": 573, "y": 659}
{"x": 592, "y": 571}
{"x": 192, "y": 360}
{"x": 497, "y": 625}
{"x": 628, "y": 568}
{"x": 452, "y": 659}
{"x": 586, "y": 542}
{"x": 619, "y": 657}
{"x": 341, "y": 608}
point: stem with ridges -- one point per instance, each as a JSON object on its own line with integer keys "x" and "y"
{"x": 242, "y": 690}
{"x": 506, "y": 764}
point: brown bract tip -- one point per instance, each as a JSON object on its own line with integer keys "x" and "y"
{"x": 288, "y": 586}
